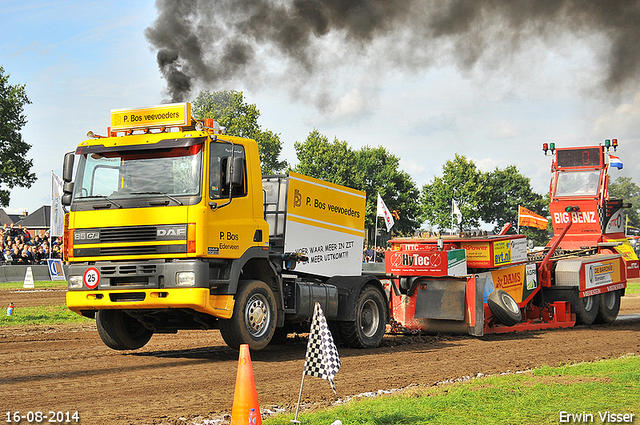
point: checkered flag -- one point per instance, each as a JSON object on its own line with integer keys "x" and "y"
{"x": 322, "y": 358}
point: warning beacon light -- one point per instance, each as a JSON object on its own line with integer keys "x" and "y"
{"x": 548, "y": 147}
{"x": 611, "y": 143}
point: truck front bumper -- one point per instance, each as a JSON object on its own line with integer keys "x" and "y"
{"x": 198, "y": 299}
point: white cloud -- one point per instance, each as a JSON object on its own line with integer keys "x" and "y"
{"x": 504, "y": 130}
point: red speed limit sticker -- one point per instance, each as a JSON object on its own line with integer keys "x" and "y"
{"x": 91, "y": 277}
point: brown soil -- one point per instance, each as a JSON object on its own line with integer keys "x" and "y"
{"x": 192, "y": 374}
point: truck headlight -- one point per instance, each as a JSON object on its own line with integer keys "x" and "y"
{"x": 75, "y": 282}
{"x": 186, "y": 279}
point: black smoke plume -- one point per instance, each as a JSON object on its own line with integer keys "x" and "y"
{"x": 209, "y": 43}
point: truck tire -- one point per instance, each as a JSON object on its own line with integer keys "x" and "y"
{"x": 254, "y": 317}
{"x": 504, "y": 307}
{"x": 120, "y": 331}
{"x": 371, "y": 320}
{"x": 587, "y": 309}
{"x": 608, "y": 307}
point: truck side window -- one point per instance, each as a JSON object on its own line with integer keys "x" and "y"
{"x": 220, "y": 155}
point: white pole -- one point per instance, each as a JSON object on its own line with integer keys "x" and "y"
{"x": 295, "y": 420}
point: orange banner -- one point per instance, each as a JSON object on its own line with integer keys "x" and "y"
{"x": 530, "y": 219}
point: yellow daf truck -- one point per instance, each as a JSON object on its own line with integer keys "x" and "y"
{"x": 172, "y": 226}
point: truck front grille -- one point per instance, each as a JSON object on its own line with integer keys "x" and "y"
{"x": 126, "y": 234}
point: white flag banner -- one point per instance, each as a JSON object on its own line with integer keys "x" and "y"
{"x": 322, "y": 358}
{"x": 456, "y": 212}
{"x": 383, "y": 211}
{"x": 56, "y": 218}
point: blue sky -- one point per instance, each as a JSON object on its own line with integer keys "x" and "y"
{"x": 79, "y": 60}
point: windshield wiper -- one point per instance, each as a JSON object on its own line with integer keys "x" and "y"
{"x": 177, "y": 201}
{"x": 100, "y": 206}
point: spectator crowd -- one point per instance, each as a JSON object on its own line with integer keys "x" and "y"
{"x": 19, "y": 247}
{"x": 372, "y": 254}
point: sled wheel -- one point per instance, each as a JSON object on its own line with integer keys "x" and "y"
{"x": 587, "y": 309}
{"x": 120, "y": 331}
{"x": 608, "y": 307}
{"x": 254, "y": 317}
{"x": 504, "y": 307}
{"x": 371, "y": 320}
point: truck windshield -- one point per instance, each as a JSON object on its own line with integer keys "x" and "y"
{"x": 175, "y": 172}
{"x": 577, "y": 183}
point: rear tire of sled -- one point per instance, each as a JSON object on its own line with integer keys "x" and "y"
{"x": 504, "y": 307}
{"x": 587, "y": 309}
{"x": 120, "y": 331}
{"x": 608, "y": 307}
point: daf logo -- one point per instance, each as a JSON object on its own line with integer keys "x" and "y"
{"x": 172, "y": 231}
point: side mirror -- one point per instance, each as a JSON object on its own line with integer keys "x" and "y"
{"x": 67, "y": 167}
{"x": 66, "y": 199}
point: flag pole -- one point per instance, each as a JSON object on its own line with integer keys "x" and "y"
{"x": 518, "y": 228}
{"x": 375, "y": 239}
{"x": 295, "y": 420}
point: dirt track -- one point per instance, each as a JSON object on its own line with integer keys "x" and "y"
{"x": 192, "y": 374}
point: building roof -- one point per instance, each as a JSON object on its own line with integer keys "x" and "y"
{"x": 5, "y": 218}
{"x": 39, "y": 219}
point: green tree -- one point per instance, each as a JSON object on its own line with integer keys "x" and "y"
{"x": 372, "y": 170}
{"x": 378, "y": 171}
{"x": 490, "y": 198}
{"x": 330, "y": 161}
{"x": 240, "y": 119}
{"x": 462, "y": 183}
{"x": 624, "y": 188}
{"x": 506, "y": 190}
{"x": 15, "y": 169}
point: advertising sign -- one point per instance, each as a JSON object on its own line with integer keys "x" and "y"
{"x": 325, "y": 222}
{"x": 426, "y": 263}
{"x": 173, "y": 114}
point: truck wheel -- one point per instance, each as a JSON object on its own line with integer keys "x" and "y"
{"x": 254, "y": 317}
{"x": 608, "y": 307}
{"x": 120, "y": 331}
{"x": 504, "y": 307}
{"x": 587, "y": 309}
{"x": 371, "y": 320}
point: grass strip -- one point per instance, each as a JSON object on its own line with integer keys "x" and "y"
{"x": 42, "y": 315}
{"x": 633, "y": 287}
{"x": 543, "y": 396}
{"x": 40, "y": 284}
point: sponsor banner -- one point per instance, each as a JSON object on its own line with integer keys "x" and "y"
{"x": 426, "y": 263}
{"x": 518, "y": 250}
{"x": 586, "y": 221}
{"x": 495, "y": 254}
{"x": 615, "y": 224}
{"x": 56, "y": 271}
{"x": 325, "y": 222}
{"x": 326, "y": 204}
{"x": 173, "y": 114}
{"x": 478, "y": 253}
{"x": 518, "y": 281}
{"x": 600, "y": 273}
{"x": 330, "y": 252}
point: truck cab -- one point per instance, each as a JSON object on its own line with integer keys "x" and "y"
{"x": 580, "y": 196}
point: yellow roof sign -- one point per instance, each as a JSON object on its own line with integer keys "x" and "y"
{"x": 173, "y": 114}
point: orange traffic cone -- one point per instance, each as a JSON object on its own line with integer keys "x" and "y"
{"x": 246, "y": 396}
